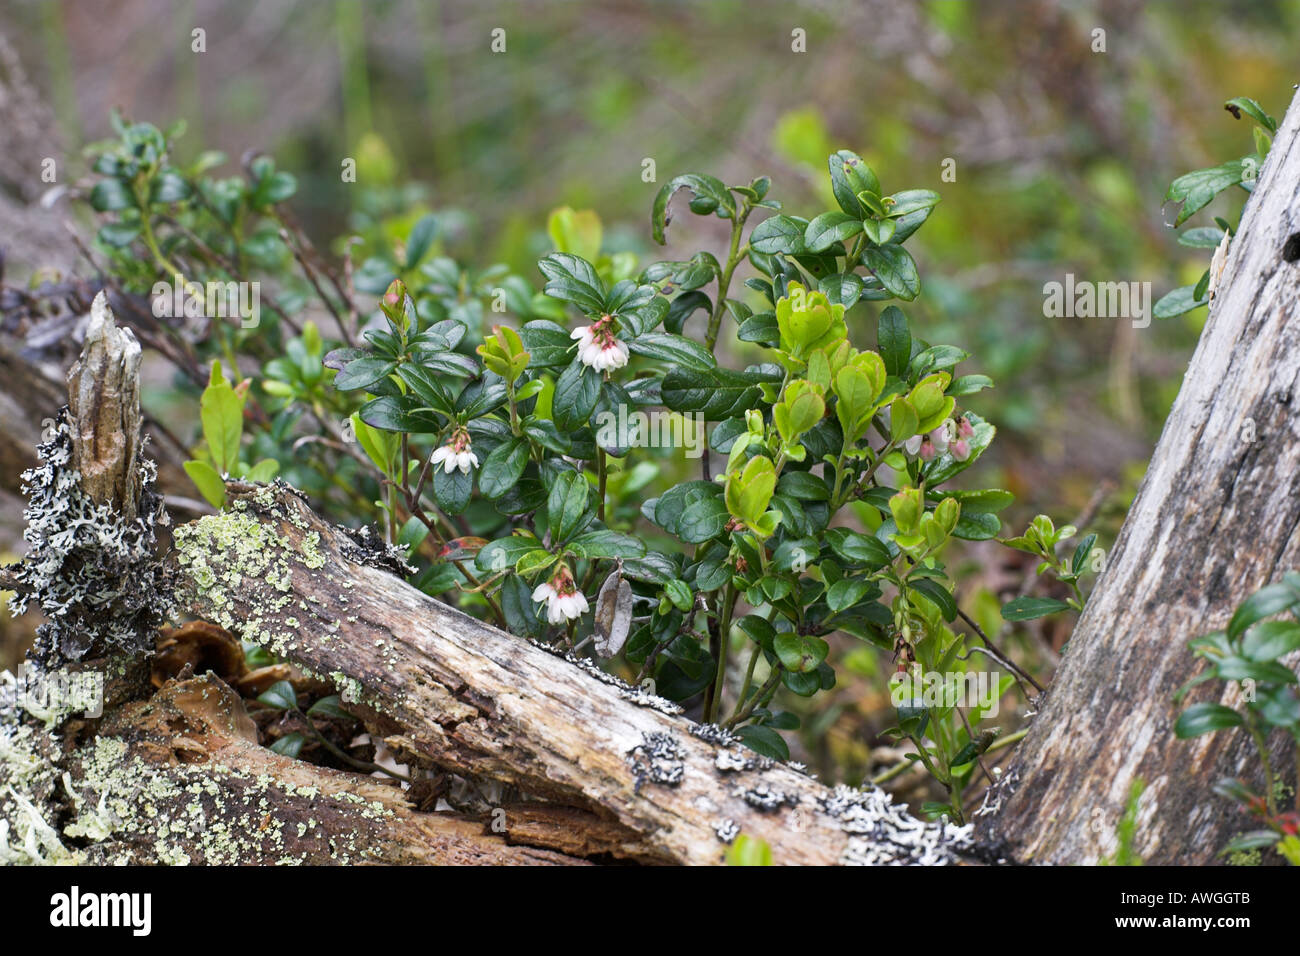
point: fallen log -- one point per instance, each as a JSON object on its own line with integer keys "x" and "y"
{"x": 447, "y": 691}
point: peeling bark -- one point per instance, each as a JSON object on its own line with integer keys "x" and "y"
{"x": 1215, "y": 519}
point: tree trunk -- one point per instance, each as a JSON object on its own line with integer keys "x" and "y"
{"x": 1215, "y": 519}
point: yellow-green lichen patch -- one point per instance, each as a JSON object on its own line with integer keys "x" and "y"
{"x": 221, "y": 554}
{"x": 132, "y": 811}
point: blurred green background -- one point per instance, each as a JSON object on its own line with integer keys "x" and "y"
{"x": 1061, "y": 153}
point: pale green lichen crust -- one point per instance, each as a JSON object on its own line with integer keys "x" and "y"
{"x": 122, "y": 809}
{"x": 222, "y": 554}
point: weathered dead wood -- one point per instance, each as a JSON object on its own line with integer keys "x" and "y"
{"x": 181, "y": 778}
{"x": 1216, "y": 518}
{"x": 447, "y": 691}
{"x": 104, "y": 400}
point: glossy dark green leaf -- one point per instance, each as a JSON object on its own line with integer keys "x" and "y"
{"x": 675, "y": 349}
{"x": 279, "y": 695}
{"x": 1267, "y": 601}
{"x": 576, "y": 392}
{"x": 503, "y": 468}
{"x": 895, "y": 268}
{"x": 829, "y": 228}
{"x": 1028, "y": 608}
{"x": 1205, "y": 718}
{"x": 779, "y": 235}
{"x": 893, "y": 340}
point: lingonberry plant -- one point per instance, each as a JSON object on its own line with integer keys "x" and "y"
{"x": 1264, "y": 629}
{"x": 758, "y": 559}
{"x": 1194, "y": 191}
{"x": 538, "y": 470}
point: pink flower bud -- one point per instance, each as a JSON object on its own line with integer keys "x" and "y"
{"x": 927, "y": 449}
{"x": 964, "y": 428}
{"x": 960, "y": 449}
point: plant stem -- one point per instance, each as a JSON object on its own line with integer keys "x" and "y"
{"x": 764, "y": 693}
{"x": 724, "y": 645}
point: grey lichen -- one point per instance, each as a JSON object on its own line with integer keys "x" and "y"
{"x": 713, "y": 734}
{"x": 92, "y": 570}
{"x": 882, "y": 833}
{"x": 659, "y": 758}
{"x": 736, "y": 760}
{"x": 766, "y": 798}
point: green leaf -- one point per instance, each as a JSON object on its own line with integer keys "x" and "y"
{"x": 566, "y": 506}
{"x": 118, "y": 234}
{"x": 221, "y": 411}
{"x": 548, "y": 344}
{"x": 503, "y": 468}
{"x": 280, "y": 695}
{"x": 607, "y": 544}
{"x": 1235, "y": 668}
{"x": 679, "y": 593}
{"x": 1254, "y": 840}
{"x": 1267, "y": 601}
{"x": 939, "y": 595}
{"x": 1195, "y": 189}
{"x": 1205, "y": 718}
{"x": 857, "y": 548}
{"x": 329, "y": 707}
{"x": 830, "y": 228}
{"x": 803, "y": 486}
{"x": 1269, "y": 640}
{"x": 1202, "y": 237}
{"x": 841, "y": 288}
{"x": 110, "y": 195}
{"x": 779, "y": 235}
{"x": 362, "y": 373}
{"x": 749, "y": 851}
{"x": 576, "y": 393}
{"x": 703, "y": 519}
{"x": 800, "y": 653}
{"x": 420, "y": 239}
{"x": 1244, "y": 104}
{"x": 1028, "y": 608}
{"x": 969, "y": 384}
{"x": 290, "y": 745}
{"x": 573, "y": 279}
{"x": 845, "y": 593}
{"x": 1081, "y": 552}
{"x": 711, "y": 195}
{"x": 668, "y": 347}
{"x": 169, "y": 187}
{"x": 895, "y": 268}
{"x": 911, "y": 201}
{"x": 718, "y": 392}
{"x": 209, "y": 483}
{"x": 894, "y": 341}
{"x": 879, "y": 231}
{"x": 452, "y": 489}
{"x": 765, "y": 741}
{"x": 850, "y": 176}
{"x": 504, "y": 553}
